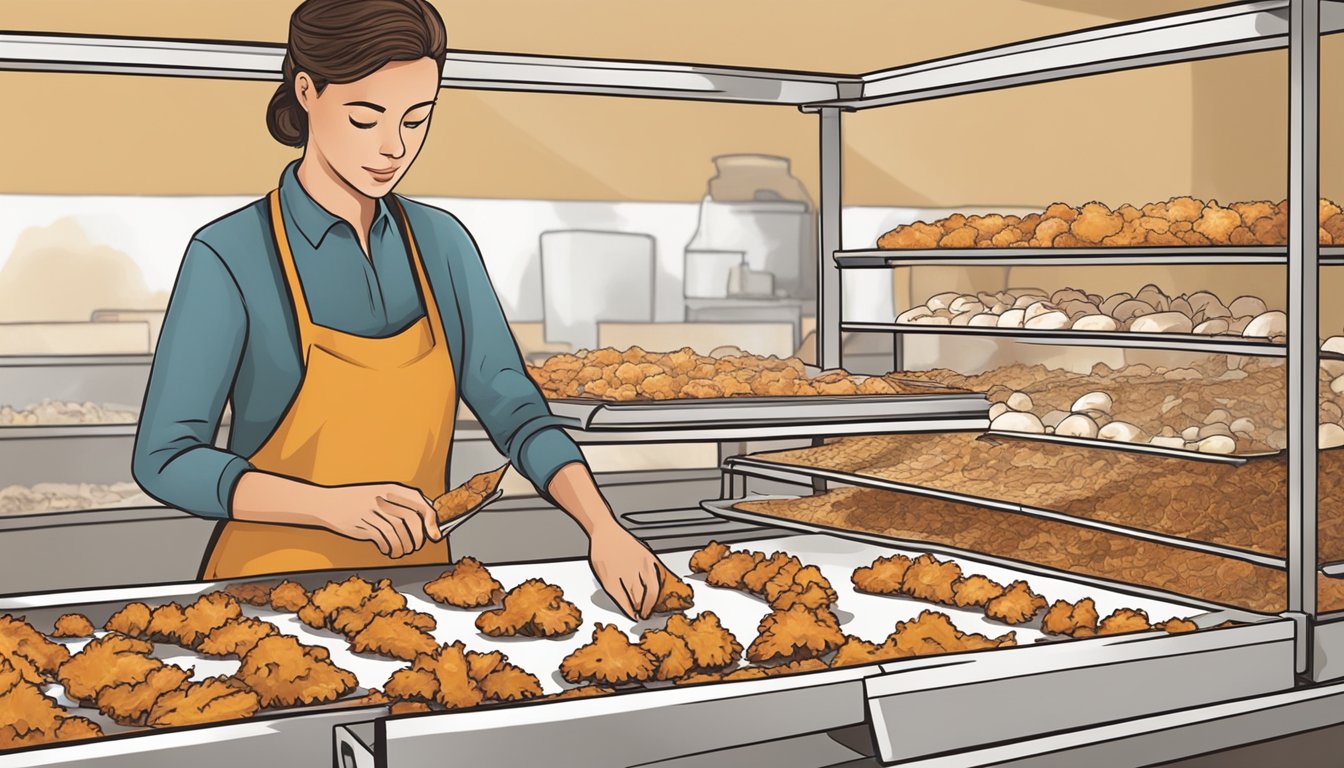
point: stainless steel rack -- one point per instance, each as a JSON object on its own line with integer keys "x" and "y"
{"x": 1266, "y": 655}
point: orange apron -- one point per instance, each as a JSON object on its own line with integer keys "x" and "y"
{"x": 368, "y": 410}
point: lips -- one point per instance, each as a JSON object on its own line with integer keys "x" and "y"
{"x": 380, "y": 172}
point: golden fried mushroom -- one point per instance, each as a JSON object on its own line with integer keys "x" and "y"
{"x": 883, "y": 576}
{"x": 468, "y": 495}
{"x": 395, "y": 635}
{"x": 257, "y": 593}
{"x": 409, "y": 707}
{"x": 796, "y": 633}
{"x": 932, "y": 632}
{"x": 581, "y": 692}
{"x": 167, "y": 624}
{"x": 453, "y": 686}
{"x": 335, "y": 595}
{"x": 107, "y": 661}
{"x": 72, "y": 625}
{"x": 675, "y": 595}
{"x": 235, "y": 637}
{"x": 711, "y": 645}
{"x": 704, "y": 558}
{"x": 671, "y": 653}
{"x": 510, "y": 683}
{"x": 610, "y": 658}
{"x": 283, "y": 672}
{"x": 1176, "y": 625}
{"x": 128, "y": 703}
{"x": 1017, "y": 604}
{"x": 1124, "y": 620}
{"x": 209, "y": 611}
{"x": 729, "y": 570}
{"x": 532, "y": 609}
{"x": 209, "y": 701}
{"x": 1076, "y": 619}
{"x": 289, "y": 596}
{"x": 20, "y": 639}
{"x": 468, "y": 584}
{"x": 756, "y": 579}
{"x": 975, "y": 591}
{"x": 132, "y": 621}
{"x": 930, "y": 579}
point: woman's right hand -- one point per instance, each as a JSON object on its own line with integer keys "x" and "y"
{"x": 396, "y": 518}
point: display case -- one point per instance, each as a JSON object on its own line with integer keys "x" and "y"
{"x": 1166, "y": 696}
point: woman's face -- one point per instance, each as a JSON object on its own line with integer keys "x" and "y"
{"x": 370, "y": 131}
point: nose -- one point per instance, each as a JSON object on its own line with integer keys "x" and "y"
{"x": 392, "y": 146}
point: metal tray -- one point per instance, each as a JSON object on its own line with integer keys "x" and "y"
{"x": 755, "y": 418}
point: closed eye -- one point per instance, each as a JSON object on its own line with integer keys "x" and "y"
{"x": 413, "y": 124}
{"x": 358, "y": 124}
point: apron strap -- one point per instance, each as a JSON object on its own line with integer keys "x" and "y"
{"x": 302, "y": 317}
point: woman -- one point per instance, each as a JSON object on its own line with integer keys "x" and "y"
{"x": 343, "y": 322}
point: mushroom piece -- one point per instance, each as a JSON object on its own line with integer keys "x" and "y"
{"x": 1212, "y": 327}
{"x": 984, "y": 320}
{"x": 1163, "y": 441}
{"x": 1013, "y": 318}
{"x": 1039, "y": 308}
{"x": 1018, "y": 422}
{"x": 1020, "y": 401}
{"x": 943, "y": 300}
{"x": 1077, "y": 425}
{"x": 1096, "y": 323}
{"x": 1217, "y": 444}
{"x": 1093, "y": 401}
{"x": 1334, "y": 344}
{"x": 1131, "y": 309}
{"x": 1162, "y": 322}
{"x": 1246, "y": 305}
{"x": 1123, "y": 432}
{"x": 1049, "y": 321}
{"x": 1266, "y": 325}
{"x": 1329, "y": 436}
{"x": 913, "y": 314}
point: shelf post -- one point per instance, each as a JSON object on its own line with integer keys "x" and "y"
{"x": 829, "y": 311}
{"x": 1304, "y": 43}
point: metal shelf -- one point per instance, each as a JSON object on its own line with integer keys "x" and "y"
{"x": 761, "y": 418}
{"x": 886, "y": 258}
{"x": 45, "y": 52}
{"x": 801, "y": 475}
{"x": 1183, "y": 342}
{"x": 1240, "y": 28}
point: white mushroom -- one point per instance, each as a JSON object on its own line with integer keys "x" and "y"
{"x": 942, "y": 300}
{"x": 1329, "y": 436}
{"x": 1167, "y": 442}
{"x": 1022, "y": 302}
{"x": 1018, "y": 422}
{"x": 1266, "y": 325}
{"x": 1334, "y": 344}
{"x": 933, "y": 320}
{"x": 964, "y": 318}
{"x": 1020, "y": 401}
{"x": 1246, "y": 305}
{"x": 1013, "y": 318}
{"x": 1077, "y": 425}
{"x": 1190, "y": 434}
{"x": 1053, "y": 418}
{"x": 1039, "y": 308}
{"x": 913, "y": 314}
{"x": 1162, "y": 322}
{"x": 1217, "y": 444}
{"x": 1218, "y": 415}
{"x": 1337, "y": 386}
{"x": 1209, "y": 430}
{"x": 1095, "y": 323}
{"x": 998, "y": 409}
{"x": 1209, "y": 304}
{"x": 1212, "y": 327}
{"x": 984, "y": 320}
{"x": 1238, "y": 325}
{"x": 1122, "y": 431}
{"x": 1243, "y": 426}
{"x": 1154, "y": 297}
{"x": 1064, "y": 295}
{"x": 1180, "y": 304}
{"x": 1114, "y": 300}
{"x": 1049, "y": 321}
{"x": 966, "y": 304}
{"x": 1093, "y": 401}
{"x": 1130, "y": 309}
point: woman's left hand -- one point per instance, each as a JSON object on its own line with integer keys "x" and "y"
{"x": 625, "y": 568}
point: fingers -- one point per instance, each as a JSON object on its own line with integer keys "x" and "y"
{"x": 624, "y": 600}
{"x": 652, "y": 586}
{"x": 374, "y": 534}
{"x": 415, "y": 501}
{"x": 388, "y": 531}
{"x": 404, "y": 520}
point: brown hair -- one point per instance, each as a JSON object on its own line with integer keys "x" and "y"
{"x": 341, "y": 41}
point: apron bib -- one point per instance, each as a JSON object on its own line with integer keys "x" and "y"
{"x": 368, "y": 410}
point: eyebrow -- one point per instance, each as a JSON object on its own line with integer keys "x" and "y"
{"x": 368, "y": 104}
{"x": 429, "y": 103}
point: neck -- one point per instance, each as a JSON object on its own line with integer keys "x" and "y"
{"x": 330, "y": 191}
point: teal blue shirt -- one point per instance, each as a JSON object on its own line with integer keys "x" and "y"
{"x": 230, "y": 334}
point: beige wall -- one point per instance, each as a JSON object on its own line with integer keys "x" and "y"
{"x": 1214, "y": 129}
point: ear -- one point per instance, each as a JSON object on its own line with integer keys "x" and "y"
{"x": 304, "y": 90}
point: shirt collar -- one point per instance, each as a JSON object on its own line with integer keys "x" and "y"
{"x": 314, "y": 221}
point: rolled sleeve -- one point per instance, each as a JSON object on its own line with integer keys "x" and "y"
{"x": 195, "y": 362}
{"x": 492, "y": 379}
